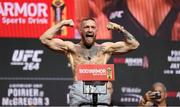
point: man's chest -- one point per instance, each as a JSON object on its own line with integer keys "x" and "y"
{"x": 89, "y": 54}
{"x": 94, "y": 55}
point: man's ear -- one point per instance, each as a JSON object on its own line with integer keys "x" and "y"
{"x": 97, "y": 29}
{"x": 80, "y": 30}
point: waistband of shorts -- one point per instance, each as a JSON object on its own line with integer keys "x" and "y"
{"x": 76, "y": 81}
{"x": 81, "y": 82}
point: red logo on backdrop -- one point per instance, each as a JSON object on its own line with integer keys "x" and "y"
{"x": 30, "y": 19}
{"x": 88, "y": 72}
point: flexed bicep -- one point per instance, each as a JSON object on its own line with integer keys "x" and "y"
{"x": 120, "y": 48}
{"x": 60, "y": 45}
{"x": 128, "y": 44}
{"x": 57, "y": 44}
{"x": 117, "y": 47}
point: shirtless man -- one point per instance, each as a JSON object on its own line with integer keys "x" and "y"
{"x": 87, "y": 51}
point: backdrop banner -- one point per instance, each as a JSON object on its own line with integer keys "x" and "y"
{"x": 33, "y": 75}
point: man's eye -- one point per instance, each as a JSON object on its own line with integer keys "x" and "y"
{"x": 86, "y": 27}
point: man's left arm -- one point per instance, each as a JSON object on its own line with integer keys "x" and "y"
{"x": 129, "y": 43}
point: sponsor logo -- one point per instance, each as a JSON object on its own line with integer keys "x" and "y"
{"x": 178, "y": 95}
{"x": 58, "y": 13}
{"x": 29, "y": 19}
{"x": 130, "y": 94}
{"x": 116, "y": 14}
{"x": 174, "y": 94}
{"x": 58, "y": 7}
{"x": 109, "y": 73}
{"x": 95, "y": 72}
{"x": 135, "y": 62}
{"x": 26, "y": 9}
{"x": 28, "y": 59}
{"x": 27, "y": 12}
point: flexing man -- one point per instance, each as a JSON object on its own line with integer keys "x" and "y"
{"x": 87, "y": 51}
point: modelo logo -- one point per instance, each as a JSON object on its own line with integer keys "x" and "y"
{"x": 130, "y": 94}
{"x": 29, "y": 59}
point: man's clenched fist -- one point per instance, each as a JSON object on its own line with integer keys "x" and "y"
{"x": 67, "y": 22}
{"x": 114, "y": 26}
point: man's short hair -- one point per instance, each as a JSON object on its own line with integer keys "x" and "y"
{"x": 87, "y": 18}
{"x": 159, "y": 84}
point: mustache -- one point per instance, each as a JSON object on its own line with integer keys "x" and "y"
{"x": 90, "y": 34}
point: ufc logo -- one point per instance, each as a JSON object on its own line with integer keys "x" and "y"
{"x": 29, "y": 58}
{"x": 24, "y": 55}
{"x": 116, "y": 14}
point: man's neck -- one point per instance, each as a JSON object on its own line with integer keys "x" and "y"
{"x": 86, "y": 46}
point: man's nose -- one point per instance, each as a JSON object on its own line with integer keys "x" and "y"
{"x": 90, "y": 29}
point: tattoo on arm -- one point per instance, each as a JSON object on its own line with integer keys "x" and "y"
{"x": 114, "y": 26}
{"x": 128, "y": 35}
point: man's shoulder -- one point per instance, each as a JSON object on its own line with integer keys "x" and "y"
{"x": 98, "y": 44}
{"x": 78, "y": 44}
{"x": 106, "y": 43}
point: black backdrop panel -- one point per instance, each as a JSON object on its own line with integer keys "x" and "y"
{"x": 31, "y": 74}
{"x": 29, "y": 58}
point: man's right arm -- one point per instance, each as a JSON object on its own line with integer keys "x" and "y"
{"x": 146, "y": 100}
{"x": 55, "y": 43}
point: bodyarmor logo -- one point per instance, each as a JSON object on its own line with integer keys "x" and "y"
{"x": 29, "y": 59}
{"x": 25, "y": 9}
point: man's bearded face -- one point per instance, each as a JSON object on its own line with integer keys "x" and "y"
{"x": 88, "y": 32}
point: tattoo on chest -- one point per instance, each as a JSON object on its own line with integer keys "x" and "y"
{"x": 88, "y": 54}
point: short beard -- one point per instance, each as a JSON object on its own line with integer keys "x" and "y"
{"x": 88, "y": 45}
